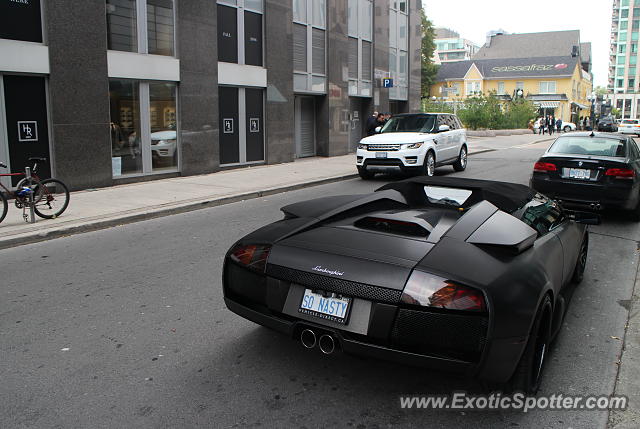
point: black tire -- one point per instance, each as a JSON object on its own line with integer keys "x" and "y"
{"x": 581, "y": 263}
{"x": 54, "y": 199}
{"x": 429, "y": 165}
{"x": 29, "y": 183}
{"x": 461, "y": 162}
{"x": 526, "y": 378}
{"x": 364, "y": 174}
{"x": 567, "y": 129}
{"x": 4, "y": 206}
{"x": 634, "y": 215}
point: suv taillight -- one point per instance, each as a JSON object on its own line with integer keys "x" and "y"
{"x": 252, "y": 256}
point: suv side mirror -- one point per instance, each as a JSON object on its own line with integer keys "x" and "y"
{"x": 378, "y": 129}
{"x": 442, "y": 128}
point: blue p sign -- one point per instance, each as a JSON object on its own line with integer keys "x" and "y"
{"x": 387, "y": 82}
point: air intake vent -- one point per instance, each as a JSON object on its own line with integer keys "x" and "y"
{"x": 392, "y": 226}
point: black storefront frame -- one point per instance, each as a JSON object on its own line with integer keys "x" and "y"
{"x": 242, "y": 125}
{"x": 240, "y": 42}
{"x": 4, "y": 135}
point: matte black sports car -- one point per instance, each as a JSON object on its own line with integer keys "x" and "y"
{"x": 592, "y": 170}
{"x": 457, "y": 274}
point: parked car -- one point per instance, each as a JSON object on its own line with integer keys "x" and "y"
{"x": 414, "y": 144}
{"x": 566, "y": 127}
{"x": 629, "y": 126}
{"x": 607, "y": 124}
{"x": 441, "y": 272}
{"x": 594, "y": 170}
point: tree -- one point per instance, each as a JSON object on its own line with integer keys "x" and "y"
{"x": 600, "y": 91}
{"x": 429, "y": 70}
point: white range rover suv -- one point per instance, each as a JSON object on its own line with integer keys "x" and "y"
{"x": 414, "y": 143}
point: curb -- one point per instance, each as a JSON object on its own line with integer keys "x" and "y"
{"x": 159, "y": 211}
{"x": 62, "y": 231}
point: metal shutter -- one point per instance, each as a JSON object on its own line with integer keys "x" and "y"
{"x": 353, "y": 58}
{"x": 306, "y": 146}
{"x": 317, "y": 51}
{"x": 366, "y": 61}
{"x": 300, "y": 47}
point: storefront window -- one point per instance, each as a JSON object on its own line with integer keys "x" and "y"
{"x": 160, "y": 27}
{"x": 124, "y": 100}
{"x": 126, "y": 26}
{"x": 162, "y": 118}
{"x": 122, "y": 32}
{"x": 21, "y": 20}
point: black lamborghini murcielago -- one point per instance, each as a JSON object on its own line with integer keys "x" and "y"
{"x": 457, "y": 274}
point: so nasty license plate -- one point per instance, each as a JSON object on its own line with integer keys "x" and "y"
{"x": 332, "y": 307}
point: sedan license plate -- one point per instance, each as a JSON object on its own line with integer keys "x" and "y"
{"x": 333, "y": 307}
{"x": 579, "y": 173}
{"x": 381, "y": 155}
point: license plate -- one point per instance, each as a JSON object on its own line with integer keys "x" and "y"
{"x": 579, "y": 173}
{"x": 332, "y": 307}
{"x": 381, "y": 154}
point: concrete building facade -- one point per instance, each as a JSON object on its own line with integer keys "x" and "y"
{"x": 116, "y": 91}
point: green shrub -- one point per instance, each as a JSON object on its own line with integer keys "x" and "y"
{"x": 487, "y": 111}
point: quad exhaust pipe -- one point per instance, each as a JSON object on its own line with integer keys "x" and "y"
{"x": 325, "y": 342}
{"x": 595, "y": 206}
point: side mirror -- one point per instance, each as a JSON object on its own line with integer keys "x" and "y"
{"x": 442, "y": 128}
{"x": 586, "y": 218}
{"x": 378, "y": 129}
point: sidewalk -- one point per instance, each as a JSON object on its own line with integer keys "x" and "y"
{"x": 106, "y": 207}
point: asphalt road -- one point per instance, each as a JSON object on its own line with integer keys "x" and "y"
{"x": 126, "y": 327}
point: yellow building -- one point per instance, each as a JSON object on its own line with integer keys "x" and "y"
{"x": 558, "y": 84}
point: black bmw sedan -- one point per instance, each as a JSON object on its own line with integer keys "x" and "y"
{"x": 594, "y": 170}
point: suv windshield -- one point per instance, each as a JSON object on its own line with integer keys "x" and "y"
{"x": 410, "y": 124}
{"x": 594, "y": 146}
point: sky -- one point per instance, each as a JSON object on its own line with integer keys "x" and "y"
{"x": 474, "y": 18}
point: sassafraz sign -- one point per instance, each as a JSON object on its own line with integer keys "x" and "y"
{"x": 529, "y": 67}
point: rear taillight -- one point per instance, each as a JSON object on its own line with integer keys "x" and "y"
{"x": 428, "y": 290}
{"x": 253, "y": 256}
{"x": 621, "y": 173}
{"x": 543, "y": 167}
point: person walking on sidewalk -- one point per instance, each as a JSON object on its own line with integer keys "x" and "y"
{"x": 558, "y": 125}
{"x": 552, "y": 124}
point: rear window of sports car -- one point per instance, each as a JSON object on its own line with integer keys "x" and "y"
{"x": 593, "y": 146}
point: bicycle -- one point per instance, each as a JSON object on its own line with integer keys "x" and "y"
{"x": 50, "y": 196}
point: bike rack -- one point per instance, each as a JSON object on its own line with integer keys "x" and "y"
{"x": 32, "y": 213}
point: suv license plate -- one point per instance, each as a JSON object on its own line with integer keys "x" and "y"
{"x": 579, "y": 173}
{"x": 333, "y": 307}
{"x": 381, "y": 154}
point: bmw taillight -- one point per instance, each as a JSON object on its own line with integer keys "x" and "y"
{"x": 252, "y": 256}
{"x": 428, "y": 290}
{"x": 544, "y": 167}
{"x": 621, "y": 173}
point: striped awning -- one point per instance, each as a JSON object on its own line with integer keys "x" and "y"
{"x": 547, "y": 104}
{"x": 581, "y": 106}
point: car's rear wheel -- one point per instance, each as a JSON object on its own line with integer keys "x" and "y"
{"x": 461, "y": 163}
{"x": 364, "y": 174}
{"x": 567, "y": 129}
{"x": 429, "y": 166}
{"x": 528, "y": 373}
{"x": 581, "y": 263}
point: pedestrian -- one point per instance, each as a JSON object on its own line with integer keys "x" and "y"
{"x": 541, "y": 125}
{"x": 371, "y": 120}
{"x": 377, "y": 122}
{"x": 559, "y": 125}
{"x": 587, "y": 124}
{"x": 552, "y": 124}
